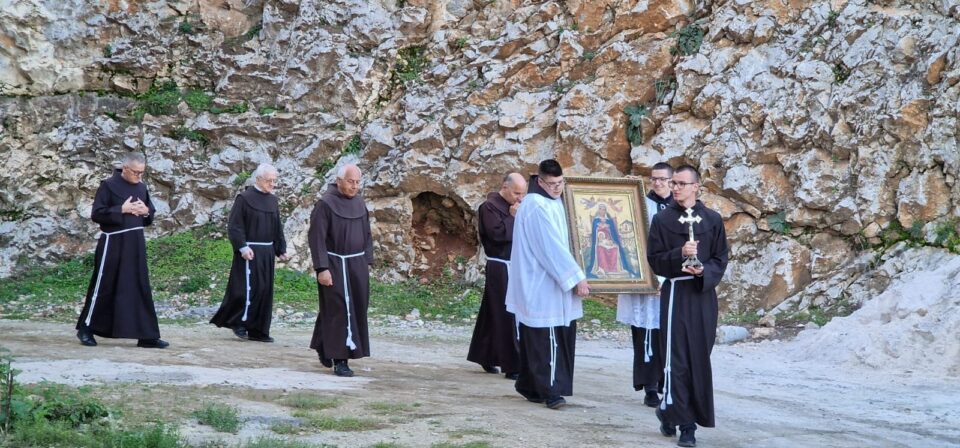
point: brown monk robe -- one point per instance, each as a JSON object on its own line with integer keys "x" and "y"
{"x": 342, "y": 250}
{"x": 494, "y": 341}
{"x": 119, "y": 301}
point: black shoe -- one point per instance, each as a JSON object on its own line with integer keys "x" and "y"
{"x": 651, "y": 399}
{"x": 535, "y": 400}
{"x": 340, "y": 368}
{"x": 260, "y": 338}
{"x": 152, "y": 343}
{"x": 511, "y": 376}
{"x": 686, "y": 438}
{"x": 666, "y": 428}
{"x": 86, "y": 338}
{"x": 490, "y": 369}
{"x": 240, "y": 332}
{"x": 556, "y": 403}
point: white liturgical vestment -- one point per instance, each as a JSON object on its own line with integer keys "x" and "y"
{"x": 641, "y": 310}
{"x": 542, "y": 271}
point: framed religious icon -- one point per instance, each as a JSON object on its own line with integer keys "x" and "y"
{"x": 607, "y": 219}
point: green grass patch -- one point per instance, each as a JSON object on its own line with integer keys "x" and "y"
{"x": 311, "y": 402}
{"x": 241, "y": 178}
{"x": 329, "y": 423}
{"x": 410, "y": 63}
{"x": 635, "y": 115}
{"x": 479, "y": 444}
{"x": 221, "y": 417}
{"x": 48, "y": 415}
{"x": 689, "y": 40}
{"x": 353, "y": 146}
{"x": 593, "y": 309}
{"x": 443, "y": 296}
{"x": 272, "y": 442}
{"x": 386, "y": 407}
{"x": 161, "y": 99}
{"x": 778, "y": 223}
{"x": 183, "y": 133}
{"x": 740, "y": 318}
{"x": 238, "y": 108}
{"x": 197, "y": 100}
{"x": 469, "y": 432}
{"x": 285, "y": 428}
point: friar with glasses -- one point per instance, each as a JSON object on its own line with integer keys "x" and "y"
{"x": 494, "y": 341}
{"x": 342, "y": 249}
{"x": 693, "y": 263}
{"x": 119, "y": 301}
{"x": 544, "y": 290}
{"x": 256, "y": 234}
{"x": 642, "y": 311}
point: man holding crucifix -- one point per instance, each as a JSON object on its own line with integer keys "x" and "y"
{"x": 687, "y": 246}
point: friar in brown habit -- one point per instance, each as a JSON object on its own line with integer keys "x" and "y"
{"x": 256, "y": 235}
{"x": 119, "y": 301}
{"x": 494, "y": 341}
{"x": 342, "y": 251}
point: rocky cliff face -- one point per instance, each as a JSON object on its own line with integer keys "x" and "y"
{"x": 818, "y": 125}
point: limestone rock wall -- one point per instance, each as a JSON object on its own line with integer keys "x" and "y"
{"x": 816, "y": 124}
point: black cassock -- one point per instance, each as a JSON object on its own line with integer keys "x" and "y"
{"x": 494, "y": 341}
{"x": 694, "y": 326}
{"x": 254, "y": 221}
{"x": 123, "y": 304}
{"x": 340, "y": 242}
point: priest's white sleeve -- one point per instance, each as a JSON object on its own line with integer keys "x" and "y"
{"x": 549, "y": 241}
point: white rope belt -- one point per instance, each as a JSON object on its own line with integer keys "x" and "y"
{"x": 516, "y": 325}
{"x": 553, "y": 356}
{"x": 647, "y": 346}
{"x": 346, "y": 293}
{"x": 246, "y": 307}
{"x": 667, "y": 396}
{"x": 103, "y": 259}
{"x": 499, "y": 260}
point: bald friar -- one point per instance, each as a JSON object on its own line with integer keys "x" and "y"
{"x": 494, "y": 342}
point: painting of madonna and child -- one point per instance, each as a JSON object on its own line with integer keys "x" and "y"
{"x": 608, "y": 231}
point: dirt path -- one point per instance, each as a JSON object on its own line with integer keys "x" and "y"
{"x": 761, "y": 398}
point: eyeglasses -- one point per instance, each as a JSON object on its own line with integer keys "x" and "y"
{"x": 135, "y": 172}
{"x": 659, "y": 179}
{"x": 268, "y": 180}
{"x": 556, "y": 184}
{"x": 678, "y": 184}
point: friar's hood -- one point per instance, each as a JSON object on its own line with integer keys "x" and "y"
{"x": 343, "y": 206}
{"x": 260, "y": 200}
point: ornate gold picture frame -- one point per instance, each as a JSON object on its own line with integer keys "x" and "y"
{"x": 607, "y": 220}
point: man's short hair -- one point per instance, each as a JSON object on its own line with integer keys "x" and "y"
{"x": 663, "y": 166}
{"x": 133, "y": 157}
{"x": 550, "y": 167}
{"x": 690, "y": 168}
{"x": 342, "y": 171}
{"x": 263, "y": 169}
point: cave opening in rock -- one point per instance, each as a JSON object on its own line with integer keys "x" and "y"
{"x": 444, "y": 234}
